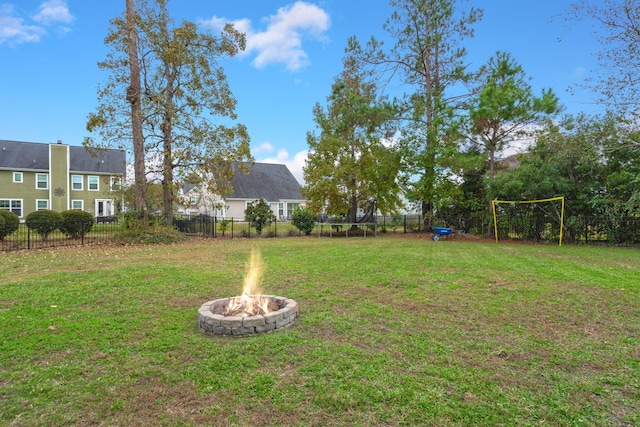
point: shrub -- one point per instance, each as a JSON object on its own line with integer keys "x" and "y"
{"x": 304, "y": 220}
{"x": 259, "y": 214}
{"x": 148, "y": 234}
{"x": 224, "y": 225}
{"x": 76, "y": 223}
{"x": 44, "y": 222}
{"x": 9, "y": 222}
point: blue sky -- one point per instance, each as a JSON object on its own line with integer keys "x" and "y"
{"x": 49, "y": 51}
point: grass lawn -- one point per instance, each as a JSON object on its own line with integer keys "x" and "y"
{"x": 391, "y": 331}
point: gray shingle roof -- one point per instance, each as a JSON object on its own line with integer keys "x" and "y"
{"x": 20, "y": 155}
{"x": 270, "y": 182}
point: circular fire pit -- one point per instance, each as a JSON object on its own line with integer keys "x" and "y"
{"x": 224, "y": 317}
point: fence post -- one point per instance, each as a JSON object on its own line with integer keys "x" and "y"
{"x": 28, "y": 238}
{"x": 404, "y": 225}
{"x": 82, "y": 233}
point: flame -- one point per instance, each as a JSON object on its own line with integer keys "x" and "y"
{"x": 253, "y": 277}
{"x": 251, "y": 302}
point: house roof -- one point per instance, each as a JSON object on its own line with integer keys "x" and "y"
{"x": 18, "y": 155}
{"x": 188, "y": 187}
{"x": 271, "y": 182}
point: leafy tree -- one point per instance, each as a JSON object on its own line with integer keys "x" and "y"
{"x": 44, "y": 222}
{"x": 505, "y": 108}
{"x": 566, "y": 160}
{"x": 134, "y": 98}
{"x": 9, "y": 223}
{"x": 618, "y": 76}
{"x": 153, "y": 197}
{"x": 259, "y": 214}
{"x": 428, "y": 57}
{"x": 621, "y": 157}
{"x": 304, "y": 220}
{"x": 469, "y": 198}
{"x": 183, "y": 81}
{"x": 349, "y": 169}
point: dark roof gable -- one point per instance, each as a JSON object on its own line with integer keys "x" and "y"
{"x": 32, "y": 155}
{"x": 267, "y": 181}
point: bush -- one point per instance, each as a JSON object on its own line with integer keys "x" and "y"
{"x": 9, "y": 222}
{"x": 76, "y": 223}
{"x": 304, "y": 220}
{"x": 148, "y": 234}
{"x": 44, "y": 222}
{"x": 259, "y": 214}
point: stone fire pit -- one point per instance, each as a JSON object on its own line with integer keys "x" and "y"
{"x": 214, "y": 319}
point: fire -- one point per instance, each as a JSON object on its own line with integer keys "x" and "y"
{"x": 251, "y": 302}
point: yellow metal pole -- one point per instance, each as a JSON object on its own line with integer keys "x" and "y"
{"x": 561, "y": 221}
{"x": 495, "y": 222}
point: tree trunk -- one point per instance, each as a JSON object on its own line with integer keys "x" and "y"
{"x": 167, "y": 173}
{"x": 133, "y": 96}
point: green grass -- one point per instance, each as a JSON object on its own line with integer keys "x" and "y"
{"x": 392, "y": 331}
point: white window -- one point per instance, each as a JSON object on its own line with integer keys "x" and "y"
{"x": 42, "y": 204}
{"x": 281, "y": 210}
{"x": 42, "y": 181}
{"x": 194, "y": 199}
{"x": 17, "y": 177}
{"x": 114, "y": 183}
{"x": 93, "y": 183}
{"x": 77, "y": 204}
{"x": 13, "y": 205}
{"x": 77, "y": 182}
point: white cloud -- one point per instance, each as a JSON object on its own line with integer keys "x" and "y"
{"x": 14, "y": 30}
{"x": 281, "y": 41}
{"x": 265, "y": 147}
{"x": 53, "y": 12}
{"x": 295, "y": 164}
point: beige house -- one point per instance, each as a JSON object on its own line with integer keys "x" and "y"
{"x": 272, "y": 182}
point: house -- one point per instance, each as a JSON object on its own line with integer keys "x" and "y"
{"x": 272, "y": 182}
{"x": 60, "y": 177}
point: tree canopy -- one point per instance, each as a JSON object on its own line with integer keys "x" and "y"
{"x": 505, "y": 108}
{"x": 350, "y": 170}
{"x": 184, "y": 89}
{"x": 427, "y": 57}
{"x": 617, "y": 78}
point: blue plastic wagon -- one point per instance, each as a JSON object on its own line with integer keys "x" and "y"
{"x": 440, "y": 231}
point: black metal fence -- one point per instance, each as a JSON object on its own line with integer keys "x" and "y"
{"x": 207, "y": 226}
{"x": 624, "y": 231}
{"x": 27, "y": 238}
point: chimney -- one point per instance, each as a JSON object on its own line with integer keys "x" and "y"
{"x": 59, "y": 141}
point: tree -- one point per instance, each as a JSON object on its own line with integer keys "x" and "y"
{"x": 304, "y": 220}
{"x": 153, "y": 197}
{"x": 134, "y": 98}
{"x": 427, "y": 57}
{"x": 349, "y": 169}
{"x": 618, "y": 78}
{"x": 505, "y": 108}
{"x": 259, "y": 214}
{"x": 621, "y": 158}
{"x": 182, "y": 82}
{"x": 566, "y": 160}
